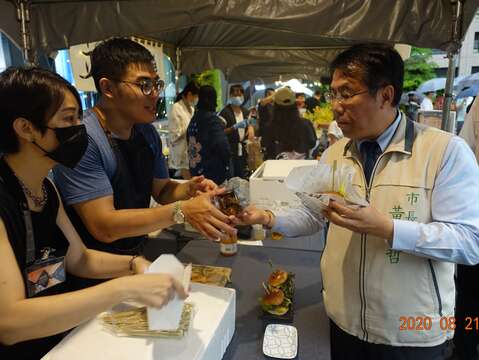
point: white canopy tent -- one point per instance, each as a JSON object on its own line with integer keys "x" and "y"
{"x": 245, "y": 39}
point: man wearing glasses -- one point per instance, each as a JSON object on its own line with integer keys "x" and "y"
{"x": 388, "y": 268}
{"x": 109, "y": 191}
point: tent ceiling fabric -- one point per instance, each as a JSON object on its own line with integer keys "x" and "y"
{"x": 240, "y": 65}
{"x": 244, "y": 27}
{"x": 59, "y": 24}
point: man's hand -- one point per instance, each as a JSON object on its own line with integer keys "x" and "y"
{"x": 205, "y": 217}
{"x": 366, "y": 220}
{"x": 252, "y": 215}
{"x": 199, "y": 184}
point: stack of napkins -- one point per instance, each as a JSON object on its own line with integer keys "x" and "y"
{"x": 169, "y": 316}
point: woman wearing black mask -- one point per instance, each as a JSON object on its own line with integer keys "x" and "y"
{"x": 39, "y": 128}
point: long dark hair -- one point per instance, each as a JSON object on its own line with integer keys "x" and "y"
{"x": 286, "y": 128}
{"x": 207, "y": 98}
{"x": 190, "y": 87}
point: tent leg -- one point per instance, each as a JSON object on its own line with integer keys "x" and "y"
{"x": 23, "y": 17}
{"x": 453, "y": 48}
{"x": 447, "y": 123}
{"x": 178, "y": 70}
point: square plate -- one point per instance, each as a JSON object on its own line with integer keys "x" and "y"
{"x": 280, "y": 341}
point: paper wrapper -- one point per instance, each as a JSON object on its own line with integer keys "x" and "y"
{"x": 134, "y": 322}
{"x": 212, "y": 275}
{"x": 316, "y": 185}
{"x": 240, "y": 187}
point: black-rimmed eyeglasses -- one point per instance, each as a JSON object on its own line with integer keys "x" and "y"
{"x": 342, "y": 97}
{"x": 147, "y": 85}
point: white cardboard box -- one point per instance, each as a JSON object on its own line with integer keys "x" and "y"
{"x": 267, "y": 186}
{"x": 209, "y": 335}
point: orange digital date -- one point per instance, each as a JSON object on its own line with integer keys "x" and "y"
{"x": 421, "y": 323}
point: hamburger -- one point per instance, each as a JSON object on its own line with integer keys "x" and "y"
{"x": 275, "y": 302}
{"x": 277, "y": 278}
{"x": 282, "y": 280}
{"x": 279, "y": 293}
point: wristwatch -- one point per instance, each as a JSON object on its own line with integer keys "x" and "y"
{"x": 178, "y": 215}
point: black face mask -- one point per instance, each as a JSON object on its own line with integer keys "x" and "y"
{"x": 73, "y": 143}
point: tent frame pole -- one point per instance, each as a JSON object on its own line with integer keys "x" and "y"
{"x": 453, "y": 47}
{"x": 178, "y": 70}
{"x": 23, "y": 17}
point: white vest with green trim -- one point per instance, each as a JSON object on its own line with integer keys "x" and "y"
{"x": 367, "y": 287}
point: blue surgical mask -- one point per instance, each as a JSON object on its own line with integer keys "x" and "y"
{"x": 236, "y": 100}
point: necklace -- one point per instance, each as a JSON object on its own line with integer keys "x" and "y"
{"x": 38, "y": 201}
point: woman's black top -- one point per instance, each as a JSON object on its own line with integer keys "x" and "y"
{"x": 46, "y": 234}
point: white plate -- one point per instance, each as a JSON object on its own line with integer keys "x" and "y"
{"x": 280, "y": 341}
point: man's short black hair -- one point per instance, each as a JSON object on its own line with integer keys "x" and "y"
{"x": 317, "y": 92}
{"x": 236, "y": 86}
{"x": 299, "y": 94}
{"x": 111, "y": 58}
{"x": 376, "y": 65}
{"x": 31, "y": 93}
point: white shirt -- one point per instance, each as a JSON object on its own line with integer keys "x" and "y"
{"x": 452, "y": 236}
{"x": 178, "y": 121}
{"x": 239, "y": 117}
{"x": 426, "y": 104}
{"x": 335, "y": 130}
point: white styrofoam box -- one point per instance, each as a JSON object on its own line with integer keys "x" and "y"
{"x": 267, "y": 186}
{"x": 210, "y": 333}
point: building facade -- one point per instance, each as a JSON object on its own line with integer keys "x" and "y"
{"x": 468, "y": 58}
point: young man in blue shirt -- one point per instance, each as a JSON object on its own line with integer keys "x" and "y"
{"x": 110, "y": 189}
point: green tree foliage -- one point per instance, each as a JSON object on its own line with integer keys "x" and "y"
{"x": 418, "y": 68}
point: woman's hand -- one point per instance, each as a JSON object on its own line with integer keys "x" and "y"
{"x": 140, "y": 265}
{"x": 154, "y": 290}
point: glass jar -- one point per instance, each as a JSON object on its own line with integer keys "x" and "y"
{"x": 228, "y": 203}
{"x": 229, "y": 246}
{"x": 258, "y": 232}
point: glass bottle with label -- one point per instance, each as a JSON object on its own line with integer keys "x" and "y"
{"x": 229, "y": 204}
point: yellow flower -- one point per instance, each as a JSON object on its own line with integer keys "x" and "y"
{"x": 321, "y": 115}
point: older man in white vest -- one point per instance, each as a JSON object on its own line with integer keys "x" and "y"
{"x": 388, "y": 269}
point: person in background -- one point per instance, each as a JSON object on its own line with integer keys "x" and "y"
{"x": 412, "y": 107}
{"x": 293, "y": 135}
{"x": 426, "y": 103}
{"x": 237, "y": 129}
{"x": 439, "y": 101}
{"x": 393, "y": 260}
{"x": 466, "y": 338}
{"x": 40, "y": 127}
{"x": 109, "y": 191}
{"x": 265, "y": 121}
{"x": 301, "y": 103}
{"x": 313, "y": 101}
{"x": 178, "y": 120}
{"x": 334, "y": 132}
{"x": 208, "y": 146}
